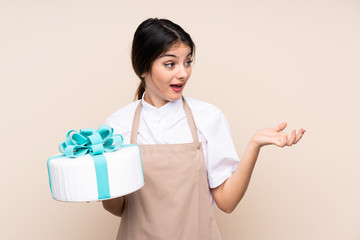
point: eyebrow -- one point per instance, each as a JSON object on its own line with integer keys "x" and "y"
{"x": 171, "y": 55}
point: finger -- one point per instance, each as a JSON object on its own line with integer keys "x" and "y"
{"x": 281, "y": 140}
{"x": 292, "y": 138}
{"x": 299, "y": 135}
{"x": 284, "y": 140}
{"x": 280, "y": 127}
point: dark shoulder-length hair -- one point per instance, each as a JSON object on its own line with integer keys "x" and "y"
{"x": 152, "y": 38}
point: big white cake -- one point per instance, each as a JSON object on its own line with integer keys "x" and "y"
{"x": 77, "y": 179}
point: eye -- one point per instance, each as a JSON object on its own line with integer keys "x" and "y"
{"x": 189, "y": 62}
{"x": 169, "y": 65}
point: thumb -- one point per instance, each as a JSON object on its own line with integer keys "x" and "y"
{"x": 280, "y": 127}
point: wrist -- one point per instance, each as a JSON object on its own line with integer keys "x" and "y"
{"x": 254, "y": 144}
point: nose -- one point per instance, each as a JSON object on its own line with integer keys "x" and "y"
{"x": 182, "y": 73}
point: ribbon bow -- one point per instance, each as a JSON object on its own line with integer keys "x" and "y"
{"x": 90, "y": 141}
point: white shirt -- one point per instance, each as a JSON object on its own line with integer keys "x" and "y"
{"x": 168, "y": 125}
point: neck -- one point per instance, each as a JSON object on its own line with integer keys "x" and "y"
{"x": 155, "y": 101}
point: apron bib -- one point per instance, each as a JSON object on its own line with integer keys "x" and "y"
{"x": 175, "y": 200}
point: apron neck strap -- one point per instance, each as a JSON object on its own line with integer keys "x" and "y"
{"x": 189, "y": 116}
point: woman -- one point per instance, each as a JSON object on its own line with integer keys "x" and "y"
{"x": 189, "y": 159}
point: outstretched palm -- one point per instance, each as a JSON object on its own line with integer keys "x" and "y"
{"x": 277, "y": 137}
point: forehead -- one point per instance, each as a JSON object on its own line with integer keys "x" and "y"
{"x": 179, "y": 49}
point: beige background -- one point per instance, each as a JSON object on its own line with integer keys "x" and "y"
{"x": 66, "y": 65}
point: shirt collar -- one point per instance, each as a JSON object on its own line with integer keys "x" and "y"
{"x": 169, "y": 109}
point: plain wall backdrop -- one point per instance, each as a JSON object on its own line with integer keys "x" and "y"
{"x": 66, "y": 65}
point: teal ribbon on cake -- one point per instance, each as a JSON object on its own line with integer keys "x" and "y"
{"x": 93, "y": 142}
{"x": 90, "y": 141}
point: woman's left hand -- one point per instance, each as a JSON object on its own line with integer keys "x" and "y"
{"x": 277, "y": 137}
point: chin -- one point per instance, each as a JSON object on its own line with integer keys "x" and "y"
{"x": 175, "y": 97}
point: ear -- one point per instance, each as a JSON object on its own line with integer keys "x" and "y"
{"x": 144, "y": 75}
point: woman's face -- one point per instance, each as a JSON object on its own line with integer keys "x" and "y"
{"x": 169, "y": 75}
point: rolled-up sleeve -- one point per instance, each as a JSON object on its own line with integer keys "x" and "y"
{"x": 221, "y": 156}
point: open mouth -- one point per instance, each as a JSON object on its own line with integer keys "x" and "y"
{"x": 177, "y": 87}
